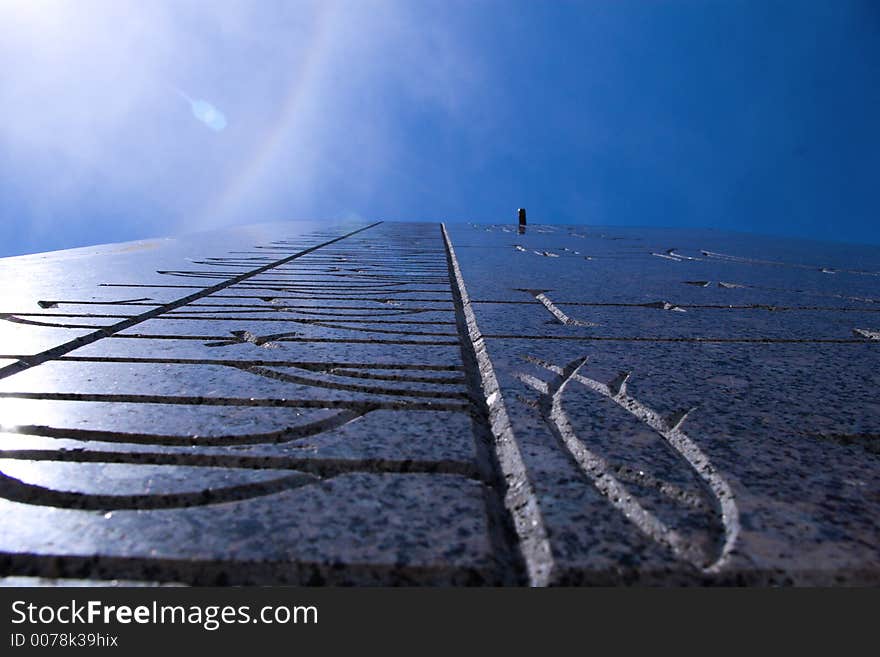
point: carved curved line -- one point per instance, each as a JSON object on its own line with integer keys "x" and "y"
{"x": 320, "y": 467}
{"x": 16, "y": 490}
{"x": 314, "y": 297}
{"x": 312, "y": 293}
{"x": 285, "y": 435}
{"x": 694, "y": 456}
{"x": 277, "y": 303}
{"x": 353, "y": 387}
{"x": 196, "y": 274}
{"x": 376, "y": 330}
{"x": 328, "y": 285}
{"x": 315, "y": 366}
{"x": 347, "y": 322}
{"x": 226, "y": 312}
{"x": 353, "y": 374}
{"x": 378, "y": 287}
{"x": 18, "y": 320}
{"x": 251, "y": 402}
{"x": 232, "y": 258}
{"x": 370, "y": 312}
{"x": 291, "y": 337}
{"x": 599, "y": 470}
{"x": 52, "y": 303}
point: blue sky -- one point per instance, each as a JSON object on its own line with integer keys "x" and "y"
{"x": 756, "y": 116}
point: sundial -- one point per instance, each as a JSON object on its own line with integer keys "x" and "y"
{"x": 441, "y": 403}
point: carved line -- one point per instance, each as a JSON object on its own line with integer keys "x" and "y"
{"x": 212, "y": 315}
{"x": 608, "y": 338}
{"x": 351, "y": 387}
{"x": 392, "y": 269}
{"x": 519, "y": 497}
{"x": 245, "y": 336}
{"x": 335, "y": 275}
{"x": 315, "y": 470}
{"x": 226, "y": 339}
{"x": 403, "y": 311}
{"x": 370, "y": 287}
{"x": 285, "y": 435}
{"x": 828, "y": 295}
{"x": 753, "y": 261}
{"x": 299, "y": 297}
{"x": 320, "y": 466}
{"x": 352, "y": 371}
{"x": 445, "y": 303}
{"x": 16, "y": 490}
{"x": 30, "y": 322}
{"x": 370, "y": 312}
{"x": 708, "y": 306}
{"x": 121, "y": 302}
{"x": 332, "y": 325}
{"x": 360, "y": 405}
{"x": 317, "y": 366}
{"x": 359, "y": 264}
{"x": 318, "y": 309}
{"x": 396, "y": 377}
{"x": 316, "y": 294}
{"x": 393, "y": 301}
{"x": 555, "y": 310}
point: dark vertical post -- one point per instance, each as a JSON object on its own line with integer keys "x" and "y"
{"x": 522, "y": 220}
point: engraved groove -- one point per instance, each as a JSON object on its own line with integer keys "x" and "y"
{"x": 285, "y": 435}
{"x": 183, "y": 400}
{"x": 16, "y": 490}
{"x": 352, "y": 387}
{"x": 554, "y": 310}
{"x": 519, "y": 498}
{"x": 310, "y": 365}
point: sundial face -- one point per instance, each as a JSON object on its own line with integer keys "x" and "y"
{"x": 417, "y": 403}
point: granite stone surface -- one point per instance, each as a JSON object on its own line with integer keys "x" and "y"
{"x": 412, "y": 403}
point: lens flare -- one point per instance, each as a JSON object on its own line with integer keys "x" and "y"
{"x": 205, "y": 112}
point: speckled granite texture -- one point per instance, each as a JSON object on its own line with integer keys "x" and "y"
{"x": 406, "y": 403}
